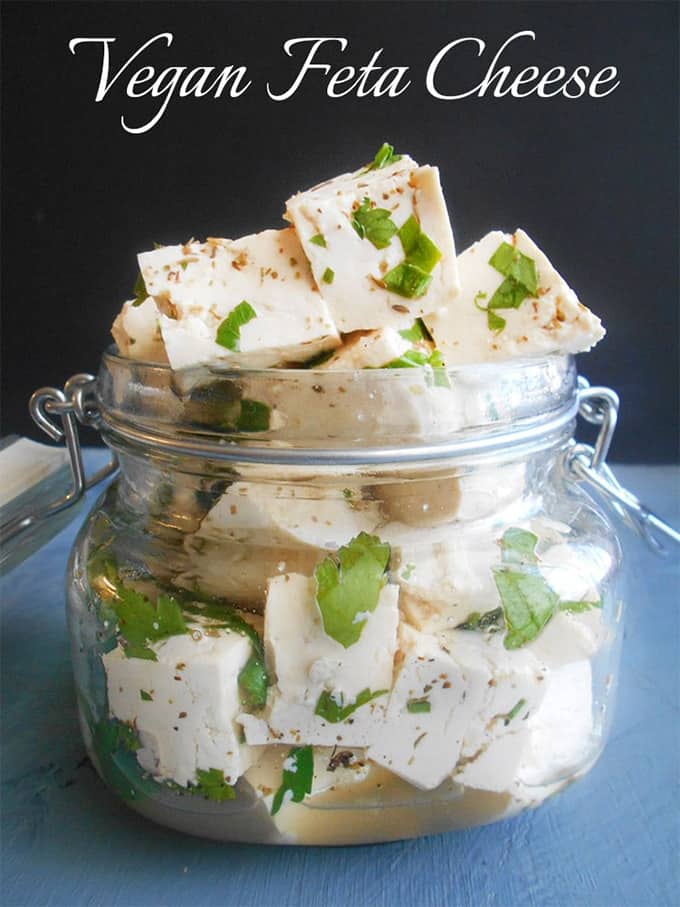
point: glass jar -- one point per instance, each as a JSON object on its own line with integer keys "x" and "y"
{"x": 336, "y": 608}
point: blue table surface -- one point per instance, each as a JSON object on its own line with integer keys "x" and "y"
{"x": 611, "y": 839}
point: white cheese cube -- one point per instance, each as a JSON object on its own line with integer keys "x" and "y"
{"x": 288, "y": 516}
{"x": 355, "y": 293}
{"x": 137, "y": 333}
{"x": 552, "y": 322}
{"x": 307, "y": 662}
{"x": 494, "y": 766}
{"x": 423, "y": 747}
{"x": 188, "y": 723}
{"x": 197, "y": 285}
{"x": 561, "y": 739}
{"x": 368, "y": 349}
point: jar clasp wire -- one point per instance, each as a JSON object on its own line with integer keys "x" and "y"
{"x": 75, "y": 403}
{"x": 600, "y": 406}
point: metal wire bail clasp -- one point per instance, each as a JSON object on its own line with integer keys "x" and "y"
{"x": 75, "y": 403}
{"x": 600, "y": 406}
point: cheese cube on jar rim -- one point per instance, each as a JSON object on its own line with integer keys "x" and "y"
{"x": 510, "y": 309}
{"x": 185, "y": 719}
{"x": 354, "y": 250}
{"x": 308, "y": 663}
{"x": 137, "y": 332}
{"x": 255, "y": 294}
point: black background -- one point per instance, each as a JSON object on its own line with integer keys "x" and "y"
{"x": 593, "y": 181}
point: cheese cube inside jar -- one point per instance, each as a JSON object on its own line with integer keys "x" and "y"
{"x": 345, "y": 588}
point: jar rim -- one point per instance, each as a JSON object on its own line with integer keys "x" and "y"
{"x": 316, "y": 417}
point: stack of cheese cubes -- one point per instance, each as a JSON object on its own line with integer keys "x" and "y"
{"x": 366, "y": 254}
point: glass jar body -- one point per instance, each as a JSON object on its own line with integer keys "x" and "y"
{"x": 340, "y": 655}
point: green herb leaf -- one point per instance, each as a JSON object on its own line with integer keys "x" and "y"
{"x": 348, "y": 590}
{"x": 319, "y": 359}
{"x": 416, "y": 333}
{"x": 332, "y": 711}
{"x": 210, "y": 784}
{"x": 489, "y": 622}
{"x": 253, "y": 416}
{"x": 528, "y": 604}
{"x": 514, "y": 712}
{"x": 407, "y": 280}
{"x": 408, "y": 571}
{"x": 518, "y": 546}
{"x": 510, "y": 262}
{"x": 496, "y": 322}
{"x": 418, "y": 247}
{"x": 297, "y": 779}
{"x": 139, "y": 291}
{"x": 374, "y": 224}
{"x": 328, "y": 275}
{"x": 509, "y": 295}
{"x": 141, "y": 622}
{"x": 384, "y": 157}
{"x": 229, "y": 332}
{"x": 253, "y": 681}
{"x": 319, "y": 240}
{"x": 115, "y": 745}
{"x": 579, "y": 607}
{"x": 146, "y": 697}
{"x": 418, "y": 706}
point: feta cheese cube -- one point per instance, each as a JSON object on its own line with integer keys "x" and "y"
{"x": 349, "y": 270}
{"x": 136, "y": 331}
{"x": 291, "y": 516}
{"x": 368, "y": 349}
{"x": 552, "y": 322}
{"x": 306, "y": 662}
{"x": 196, "y": 286}
{"x": 421, "y": 743}
{"x": 188, "y": 722}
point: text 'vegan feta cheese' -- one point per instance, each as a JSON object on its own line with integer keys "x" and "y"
{"x": 198, "y": 285}
{"x": 352, "y": 250}
{"x": 549, "y": 320}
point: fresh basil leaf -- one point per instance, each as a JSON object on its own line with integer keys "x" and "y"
{"x": 297, "y": 778}
{"x": 409, "y": 359}
{"x": 348, "y": 588}
{"x": 407, "y": 280}
{"x": 319, "y": 240}
{"x": 333, "y": 712}
{"x": 528, "y": 604}
{"x": 418, "y": 706}
{"x": 328, "y": 276}
{"x": 384, "y": 157}
{"x": 374, "y": 224}
{"x": 139, "y": 291}
{"x": 229, "y": 332}
{"x": 510, "y": 262}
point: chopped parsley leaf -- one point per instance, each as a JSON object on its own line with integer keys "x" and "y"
{"x": 253, "y": 416}
{"x": 296, "y": 782}
{"x": 348, "y": 586}
{"x": 319, "y": 359}
{"x": 229, "y": 332}
{"x": 319, "y": 240}
{"x": 490, "y": 621}
{"x": 407, "y": 572}
{"x": 514, "y": 711}
{"x": 416, "y": 333}
{"x": 328, "y": 275}
{"x": 384, "y": 157}
{"x": 374, "y": 224}
{"x": 141, "y": 622}
{"x": 418, "y": 247}
{"x": 418, "y": 706}
{"x": 146, "y": 697}
{"x": 520, "y": 282}
{"x": 407, "y": 280}
{"x": 210, "y": 784}
{"x": 579, "y": 607}
{"x": 334, "y": 712}
{"x": 253, "y": 682}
